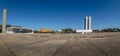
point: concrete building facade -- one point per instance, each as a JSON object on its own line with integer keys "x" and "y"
{"x": 19, "y": 30}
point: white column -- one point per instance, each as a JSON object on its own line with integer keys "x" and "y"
{"x": 86, "y": 25}
{"x": 89, "y": 22}
{"x": 4, "y": 21}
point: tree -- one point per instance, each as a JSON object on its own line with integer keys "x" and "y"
{"x": 35, "y": 31}
{"x": 67, "y": 30}
{"x": 26, "y": 31}
{"x": 111, "y": 30}
{"x": 6, "y": 26}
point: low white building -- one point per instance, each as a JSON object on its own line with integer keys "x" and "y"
{"x": 59, "y": 31}
{"x": 84, "y": 31}
{"x": 13, "y": 29}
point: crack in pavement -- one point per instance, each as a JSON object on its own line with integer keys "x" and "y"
{"x": 7, "y": 47}
{"x": 61, "y": 47}
{"x": 99, "y": 49}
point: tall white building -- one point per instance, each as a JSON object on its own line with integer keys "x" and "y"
{"x": 87, "y": 26}
{"x": 88, "y": 23}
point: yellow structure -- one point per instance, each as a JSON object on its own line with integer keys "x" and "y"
{"x": 45, "y": 30}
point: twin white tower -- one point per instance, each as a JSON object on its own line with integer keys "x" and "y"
{"x": 87, "y": 23}
{"x": 87, "y": 26}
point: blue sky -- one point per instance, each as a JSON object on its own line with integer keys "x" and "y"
{"x": 58, "y": 14}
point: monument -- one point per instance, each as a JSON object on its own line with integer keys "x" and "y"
{"x": 4, "y": 21}
{"x": 87, "y": 26}
{"x": 88, "y": 23}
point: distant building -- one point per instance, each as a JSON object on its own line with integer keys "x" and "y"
{"x": 84, "y": 31}
{"x": 45, "y": 30}
{"x": 26, "y": 30}
{"x": 59, "y": 31}
{"x": 87, "y": 26}
{"x": 13, "y": 29}
{"x": 17, "y": 29}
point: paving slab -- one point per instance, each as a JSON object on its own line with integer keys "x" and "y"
{"x": 78, "y": 48}
{"x": 108, "y": 46}
{"x": 4, "y": 50}
{"x": 27, "y": 47}
{"x": 96, "y": 44}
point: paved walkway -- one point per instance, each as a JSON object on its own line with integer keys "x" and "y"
{"x": 52, "y": 46}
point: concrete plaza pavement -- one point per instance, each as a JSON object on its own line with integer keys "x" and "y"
{"x": 95, "y": 44}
